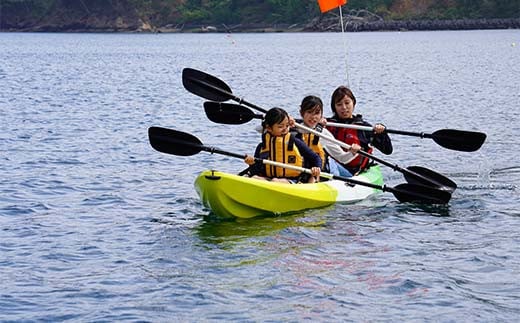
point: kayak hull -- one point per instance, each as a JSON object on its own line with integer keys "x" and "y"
{"x": 233, "y": 196}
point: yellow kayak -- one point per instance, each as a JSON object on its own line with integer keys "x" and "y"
{"x": 229, "y": 195}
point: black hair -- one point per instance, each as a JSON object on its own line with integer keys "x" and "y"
{"x": 274, "y": 116}
{"x": 339, "y": 94}
{"x": 310, "y": 102}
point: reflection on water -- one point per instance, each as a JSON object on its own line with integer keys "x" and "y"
{"x": 215, "y": 230}
{"x": 424, "y": 209}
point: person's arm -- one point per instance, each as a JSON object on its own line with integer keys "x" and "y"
{"x": 308, "y": 154}
{"x": 257, "y": 168}
{"x": 381, "y": 141}
{"x": 335, "y": 150}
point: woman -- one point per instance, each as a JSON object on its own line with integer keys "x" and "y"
{"x": 343, "y": 103}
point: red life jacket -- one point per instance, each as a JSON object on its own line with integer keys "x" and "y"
{"x": 350, "y": 136}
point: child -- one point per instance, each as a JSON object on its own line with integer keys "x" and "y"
{"x": 279, "y": 145}
{"x": 332, "y": 155}
{"x": 343, "y": 103}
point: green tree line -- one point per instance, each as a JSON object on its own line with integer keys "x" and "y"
{"x": 297, "y": 11}
{"x": 162, "y": 12}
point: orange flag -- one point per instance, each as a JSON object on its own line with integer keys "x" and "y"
{"x": 326, "y": 5}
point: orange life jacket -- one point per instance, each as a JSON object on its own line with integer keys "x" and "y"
{"x": 283, "y": 150}
{"x": 314, "y": 143}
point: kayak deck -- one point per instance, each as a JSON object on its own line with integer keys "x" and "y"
{"x": 229, "y": 195}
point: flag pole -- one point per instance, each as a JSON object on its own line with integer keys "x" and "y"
{"x": 347, "y": 79}
{"x": 326, "y": 5}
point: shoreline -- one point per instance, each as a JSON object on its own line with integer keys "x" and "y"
{"x": 316, "y": 26}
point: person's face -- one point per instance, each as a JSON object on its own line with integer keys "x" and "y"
{"x": 312, "y": 117}
{"x": 279, "y": 129}
{"x": 345, "y": 107}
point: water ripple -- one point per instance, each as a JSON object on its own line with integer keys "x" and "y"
{"x": 95, "y": 225}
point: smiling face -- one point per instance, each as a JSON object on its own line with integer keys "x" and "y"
{"x": 280, "y": 128}
{"x": 312, "y": 116}
{"x": 311, "y": 110}
{"x": 344, "y": 107}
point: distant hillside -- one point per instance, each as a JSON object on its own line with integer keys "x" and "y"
{"x": 239, "y": 15}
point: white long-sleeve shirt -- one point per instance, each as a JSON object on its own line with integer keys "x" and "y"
{"x": 334, "y": 150}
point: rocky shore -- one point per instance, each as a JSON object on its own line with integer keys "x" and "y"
{"x": 135, "y": 24}
{"x": 395, "y": 25}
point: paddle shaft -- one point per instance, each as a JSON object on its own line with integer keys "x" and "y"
{"x": 184, "y": 144}
{"x": 243, "y": 115}
{"x": 175, "y": 142}
{"x": 367, "y": 128}
{"x": 460, "y": 140}
{"x": 395, "y": 167}
{"x": 226, "y": 95}
{"x": 453, "y": 139}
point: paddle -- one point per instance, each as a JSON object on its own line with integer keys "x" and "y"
{"x": 206, "y": 85}
{"x": 212, "y": 88}
{"x": 184, "y": 144}
{"x": 228, "y": 113}
{"x": 448, "y": 138}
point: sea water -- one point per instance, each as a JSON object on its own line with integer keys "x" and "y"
{"x": 95, "y": 225}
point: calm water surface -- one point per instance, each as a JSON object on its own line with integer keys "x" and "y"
{"x": 97, "y": 226}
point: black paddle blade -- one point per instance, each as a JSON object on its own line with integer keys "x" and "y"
{"x": 420, "y": 194}
{"x": 427, "y": 177}
{"x": 174, "y": 142}
{"x": 227, "y": 113}
{"x": 205, "y": 85}
{"x": 459, "y": 140}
